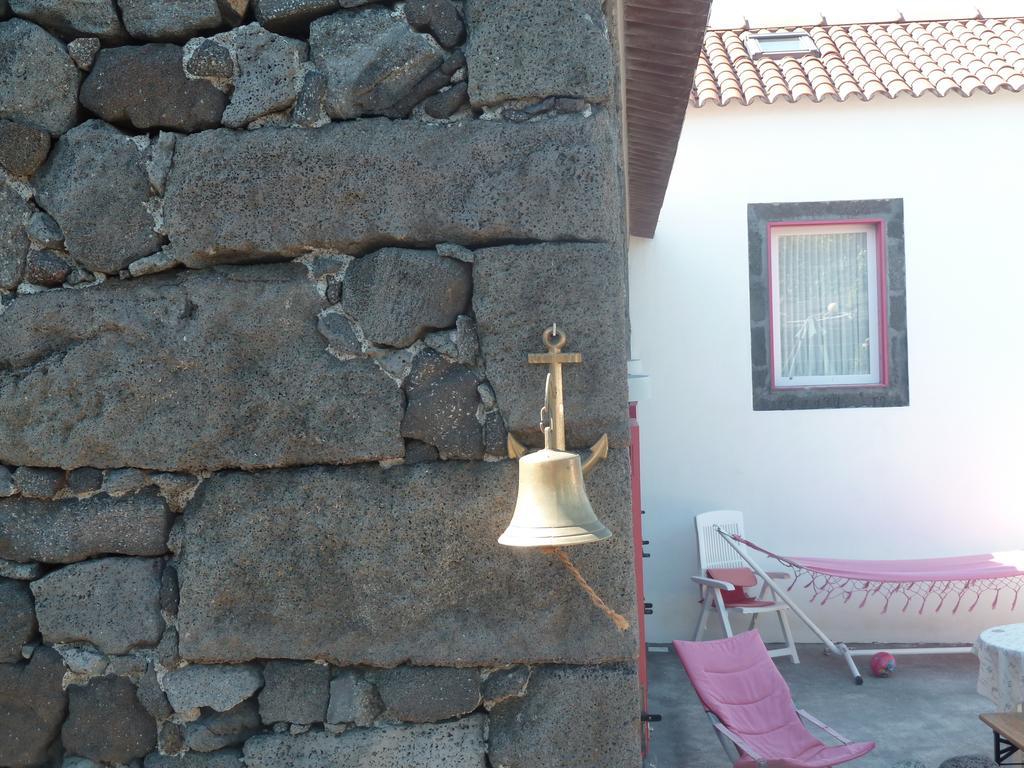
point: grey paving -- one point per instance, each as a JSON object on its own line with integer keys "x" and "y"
{"x": 927, "y": 711}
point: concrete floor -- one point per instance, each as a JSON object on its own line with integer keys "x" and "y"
{"x": 927, "y": 711}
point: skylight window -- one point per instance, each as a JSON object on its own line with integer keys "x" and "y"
{"x": 776, "y": 45}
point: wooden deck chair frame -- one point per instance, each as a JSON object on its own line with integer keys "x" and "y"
{"x": 713, "y": 552}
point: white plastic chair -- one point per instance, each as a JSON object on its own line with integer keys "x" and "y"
{"x": 714, "y": 553}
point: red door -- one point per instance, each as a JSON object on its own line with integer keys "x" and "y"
{"x": 638, "y": 558}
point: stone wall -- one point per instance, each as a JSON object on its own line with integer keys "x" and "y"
{"x": 269, "y": 274}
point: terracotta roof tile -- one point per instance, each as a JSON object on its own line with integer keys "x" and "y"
{"x": 957, "y": 56}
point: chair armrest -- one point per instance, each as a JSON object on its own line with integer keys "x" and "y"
{"x": 746, "y": 748}
{"x": 808, "y": 717}
{"x": 781, "y": 575}
{"x": 716, "y": 583}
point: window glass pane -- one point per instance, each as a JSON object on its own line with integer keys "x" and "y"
{"x": 783, "y": 44}
{"x": 824, "y": 285}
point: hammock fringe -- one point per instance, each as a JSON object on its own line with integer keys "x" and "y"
{"x": 824, "y": 587}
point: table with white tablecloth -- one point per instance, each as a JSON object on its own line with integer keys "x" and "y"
{"x": 1000, "y": 652}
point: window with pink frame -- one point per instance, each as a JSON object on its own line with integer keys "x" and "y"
{"x": 828, "y": 304}
{"x": 827, "y": 283}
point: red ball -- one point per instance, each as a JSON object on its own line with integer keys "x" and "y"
{"x": 883, "y": 664}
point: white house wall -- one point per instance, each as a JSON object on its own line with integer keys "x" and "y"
{"x": 941, "y": 477}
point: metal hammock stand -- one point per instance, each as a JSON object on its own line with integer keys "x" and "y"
{"x": 944, "y": 579}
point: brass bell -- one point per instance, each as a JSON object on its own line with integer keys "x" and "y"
{"x": 552, "y": 508}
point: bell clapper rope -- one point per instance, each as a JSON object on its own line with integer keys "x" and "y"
{"x": 617, "y": 618}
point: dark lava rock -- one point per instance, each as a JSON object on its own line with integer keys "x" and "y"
{"x": 337, "y": 330}
{"x": 15, "y": 213}
{"x": 372, "y": 60}
{"x": 23, "y": 571}
{"x": 522, "y": 114}
{"x": 504, "y": 684}
{"x": 167, "y": 649}
{"x": 448, "y": 102}
{"x": 350, "y": 166}
{"x": 39, "y": 483}
{"x": 969, "y": 761}
{"x": 461, "y": 345}
{"x": 426, "y": 87}
{"x": 495, "y": 434}
{"x": 234, "y": 12}
{"x": 269, "y": 77}
{"x": 428, "y": 694}
{"x": 83, "y": 51}
{"x": 309, "y": 109}
{"x": 216, "y": 730}
{"x": 17, "y": 619}
{"x": 291, "y": 16}
{"x": 398, "y": 294}
{"x": 23, "y": 147}
{"x": 515, "y": 290}
{"x": 354, "y": 699}
{"x": 32, "y": 706}
{"x": 119, "y": 482}
{"x": 171, "y": 741}
{"x": 159, "y": 156}
{"x": 439, "y": 519}
{"x": 84, "y": 480}
{"x": 523, "y": 49}
{"x": 175, "y": 21}
{"x": 144, "y": 86}
{"x": 453, "y": 62}
{"x": 442, "y": 18}
{"x": 565, "y": 104}
{"x": 169, "y": 590}
{"x": 417, "y": 452}
{"x": 44, "y": 231}
{"x": 20, "y": 571}
{"x": 294, "y": 692}
{"x": 113, "y": 603}
{"x": 70, "y": 529}
{"x": 442, "y": 404}
{"x": 459, "y": 744}
{"x": 38, "y": 80}
{"x": 210, "y": 59}
{"x": 220, "y": 687}
{"x": 234, "y": 341}
{"x": 81, "y": 18}
{"x": 46, "y": 268}
{"x": 228, "y": 758}
{"x": 96, "y": 186}
{"x": 106, "y": 721}
{"x": 541, "y": 728}
{"x": 152, "y": 697}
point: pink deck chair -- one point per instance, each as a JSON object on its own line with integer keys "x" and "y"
{"x": 750, "y": 704}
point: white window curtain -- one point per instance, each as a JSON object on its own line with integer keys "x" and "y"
{"x": 825, "y": 306}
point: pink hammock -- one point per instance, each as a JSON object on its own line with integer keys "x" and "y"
{"x": 944, "y": 578}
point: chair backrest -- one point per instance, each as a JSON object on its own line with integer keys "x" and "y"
{"x": 712, "y": 550}
{"x": 738, "y": 682}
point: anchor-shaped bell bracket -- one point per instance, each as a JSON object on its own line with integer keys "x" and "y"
{"x": 552, "y": 508}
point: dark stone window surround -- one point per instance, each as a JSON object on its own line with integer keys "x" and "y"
{"x": 895, "y": 391}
